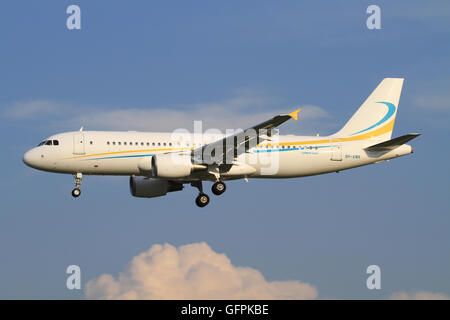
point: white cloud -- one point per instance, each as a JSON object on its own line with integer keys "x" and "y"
{"x": 434, "y": 102}
{"x": 34, "y": 108}
{"x": 419, "y": 295}
{"x": 167, "y": 119}
{"x": 241, "y": 111}
{"x": 192, "y": 271}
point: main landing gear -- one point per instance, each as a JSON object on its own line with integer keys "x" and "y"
{"x": 76, "y": 192}
{"x": 218, "y": 188}
{"x": 202, "y": 199}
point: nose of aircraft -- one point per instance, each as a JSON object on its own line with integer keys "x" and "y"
{"x": 30, "y": 158}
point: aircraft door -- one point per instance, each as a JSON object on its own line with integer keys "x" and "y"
{"x": 78, "y": 143}
{"x": 336, "y": 150}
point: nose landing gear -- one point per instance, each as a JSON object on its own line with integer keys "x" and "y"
{"x": 77, "y": 192}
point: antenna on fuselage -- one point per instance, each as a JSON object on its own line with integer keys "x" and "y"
{"x": 81, "y": 129}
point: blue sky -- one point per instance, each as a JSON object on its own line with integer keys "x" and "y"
{"x": 231, "y": 62}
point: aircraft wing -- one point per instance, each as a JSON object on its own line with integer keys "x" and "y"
{"x": 393, "y": 143}
{"x": 227, "y": 149}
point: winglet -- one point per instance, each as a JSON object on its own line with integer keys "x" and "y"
{"x": 294, "y": 114}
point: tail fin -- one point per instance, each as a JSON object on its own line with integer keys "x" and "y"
{"x": 376, "y": 116}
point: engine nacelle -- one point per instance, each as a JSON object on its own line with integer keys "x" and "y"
{"x": 172, "y": 165}
{"x": 145, "y": 165}
{"x": 150, "y": 188}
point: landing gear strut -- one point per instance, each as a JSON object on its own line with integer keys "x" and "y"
{"x": 218, "y": 188}
{"x": 76, "y": 192}
{"x": 202, "y": 199}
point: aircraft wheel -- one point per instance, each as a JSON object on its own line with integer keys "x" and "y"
{"x": 202, "y": 200}
{"x": 218, "y": 188}
{"x": 76, "y": 193}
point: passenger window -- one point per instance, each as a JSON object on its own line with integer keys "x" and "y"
{"x": 124, "y": 143}
{"x": 148, "y": 143}
{"x": 107, "y": 143}
{"x": 159, "y": 143}
{"x": 114, "y": 143}
{"x": 164, "y": 144}
{"x": 119, "y": 143}
{"x": 89, "y": 142}
{"x": 142, "y": 143}
{"x": 137, "y": 143}
{"x": 170, "y": 144}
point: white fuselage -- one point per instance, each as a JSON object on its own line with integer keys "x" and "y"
{"x": 123, "y": 153}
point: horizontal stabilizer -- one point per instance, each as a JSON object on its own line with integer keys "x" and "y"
{"x": 393, "y": 143}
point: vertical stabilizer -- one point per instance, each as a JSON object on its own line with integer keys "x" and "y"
{"x": 376, "y": 116}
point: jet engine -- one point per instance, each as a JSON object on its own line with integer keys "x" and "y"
{"x": 173, "y": 165}
{"x": 150, "y": 188}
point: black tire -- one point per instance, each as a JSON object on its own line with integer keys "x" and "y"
{"x": 202, "y": 200}
{"x": 76, "y": 193}
{"x": 218, "y": 188}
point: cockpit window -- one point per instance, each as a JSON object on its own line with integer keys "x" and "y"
{"x": 49, "y": 143}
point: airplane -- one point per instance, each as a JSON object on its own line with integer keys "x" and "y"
{"x": 160, "y": 163}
